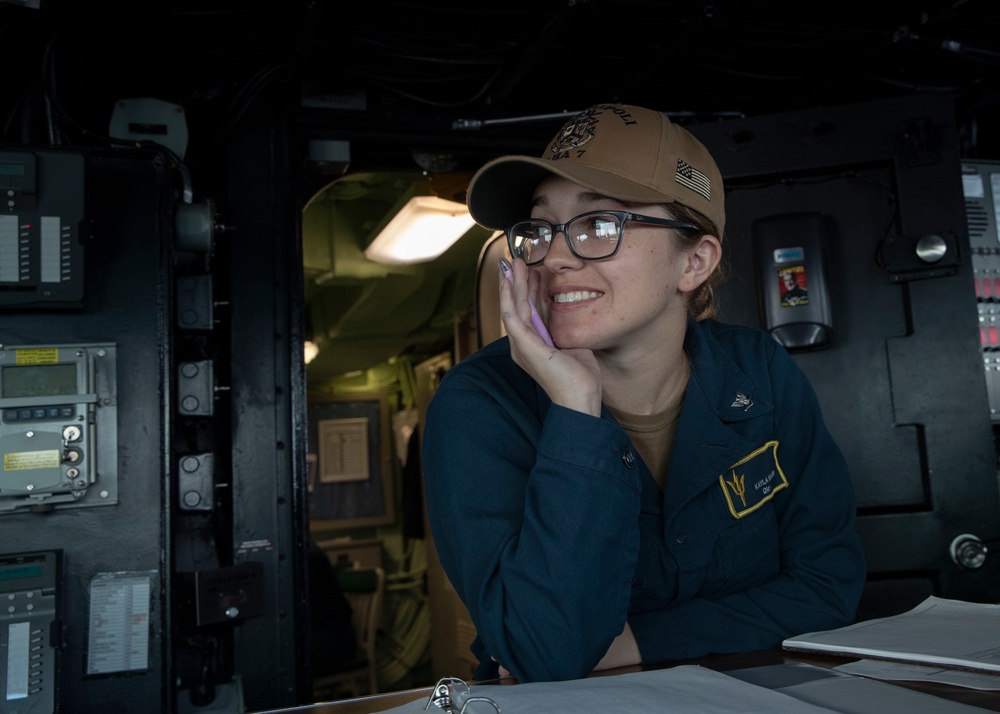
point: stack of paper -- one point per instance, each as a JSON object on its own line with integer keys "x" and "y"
{"x": 948, "y": 633}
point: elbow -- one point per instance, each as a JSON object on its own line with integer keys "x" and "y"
{"x": 573, "y": 655}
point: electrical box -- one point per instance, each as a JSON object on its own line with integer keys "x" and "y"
{"x": 41, "y": 226}
{"x": 981, "y": 188}
{"x": 30, "y": 630}
{"x": 58, "y": 426}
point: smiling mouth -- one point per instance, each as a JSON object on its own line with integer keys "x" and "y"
{"x": 577, "y": 296}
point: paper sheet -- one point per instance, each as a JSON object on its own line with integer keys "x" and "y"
{"x": 857, "y": 695}
{"x": 683, "y": 690}
{"x": 899, "y": 672}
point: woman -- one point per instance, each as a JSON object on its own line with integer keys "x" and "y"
{"x": 643, "y": 483}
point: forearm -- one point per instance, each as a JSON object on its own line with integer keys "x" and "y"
{"x": 756, "y": 618}
{"x": 624, "y": 652}
{"x": 544, "y": 556}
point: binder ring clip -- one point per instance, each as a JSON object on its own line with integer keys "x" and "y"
{"x": 444, "y": 697}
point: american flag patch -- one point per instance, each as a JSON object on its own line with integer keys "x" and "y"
{"x": 694, "y": 179}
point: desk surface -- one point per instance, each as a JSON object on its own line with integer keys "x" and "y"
{"x": 989, "y": 700}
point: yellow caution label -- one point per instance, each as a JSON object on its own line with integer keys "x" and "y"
{"x": 42, "y": 355}
{"x": 27, "y": 460}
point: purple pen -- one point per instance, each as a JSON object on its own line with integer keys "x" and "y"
{"x": 536, "y": 320}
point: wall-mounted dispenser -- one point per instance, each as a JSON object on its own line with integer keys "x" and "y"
{"x": 790, "y": 251}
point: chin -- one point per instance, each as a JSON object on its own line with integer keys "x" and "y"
{"x": 573, "y": 340}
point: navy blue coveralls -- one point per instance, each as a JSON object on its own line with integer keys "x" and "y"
{"x": 553, "y": 531}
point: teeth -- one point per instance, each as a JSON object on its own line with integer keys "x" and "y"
{"x": 575, "y": 297}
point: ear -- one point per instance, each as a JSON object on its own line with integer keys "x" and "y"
{"x": 702, "y": 260}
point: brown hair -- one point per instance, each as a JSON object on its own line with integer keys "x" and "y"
{"x": 701, "y": 302}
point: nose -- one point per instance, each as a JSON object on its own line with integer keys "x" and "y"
{"x": 559, "y": 256}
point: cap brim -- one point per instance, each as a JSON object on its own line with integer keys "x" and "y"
{"x": 500, "y": 193}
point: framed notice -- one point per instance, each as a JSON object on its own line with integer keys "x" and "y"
{"x": 353, "y": 473}
{"x": 343, "y": 450}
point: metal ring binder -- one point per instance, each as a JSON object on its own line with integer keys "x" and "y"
{"x": 443, "y": 697}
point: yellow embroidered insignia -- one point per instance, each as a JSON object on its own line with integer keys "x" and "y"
{"x": 753, "y": 480}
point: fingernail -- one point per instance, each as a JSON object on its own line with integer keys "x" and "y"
{"x": 505, "y": 268}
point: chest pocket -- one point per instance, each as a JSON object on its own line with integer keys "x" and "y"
{"x": 745, "y": 554}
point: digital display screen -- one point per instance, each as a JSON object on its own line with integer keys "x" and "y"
{"x": 11, "y": 169}
{"x": 39, "y": 380}
{"x": 21, "y": 571}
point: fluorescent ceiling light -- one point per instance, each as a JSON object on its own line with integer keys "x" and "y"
{"x": 422, "y": 230}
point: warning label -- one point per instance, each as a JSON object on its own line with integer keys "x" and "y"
{"x": 27, "y": 460}
{"x": 42, "y": 355}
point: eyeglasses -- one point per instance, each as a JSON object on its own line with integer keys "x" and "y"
{"x": 590, "y": 236}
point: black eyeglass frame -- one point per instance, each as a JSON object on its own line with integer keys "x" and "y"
{"x": 622, "y": 216}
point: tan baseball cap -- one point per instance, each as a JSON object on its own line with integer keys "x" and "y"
{"x": 621, "y": 151}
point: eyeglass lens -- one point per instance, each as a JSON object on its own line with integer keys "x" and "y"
{"x": 591, "y": 236}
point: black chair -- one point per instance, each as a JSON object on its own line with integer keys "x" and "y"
{"x": 365, "y": 590}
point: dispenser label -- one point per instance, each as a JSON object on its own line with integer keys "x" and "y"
{"x": 793, "y": 286}
{"x": 789, "y": 255}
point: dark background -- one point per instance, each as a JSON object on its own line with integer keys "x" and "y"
{"x": 417, "y": 68}
{"x": 440, "y": 88}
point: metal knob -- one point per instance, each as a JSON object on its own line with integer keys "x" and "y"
{"x": 968, "y": 551}
{"x": 931, "y": 248}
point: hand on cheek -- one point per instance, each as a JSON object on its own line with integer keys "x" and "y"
{"x": 571, "y": 378}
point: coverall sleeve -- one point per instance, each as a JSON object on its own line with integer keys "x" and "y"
{"x": 534, "y": 520}
{"x": 821, "y": 562}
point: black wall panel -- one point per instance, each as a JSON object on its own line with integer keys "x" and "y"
{"x": 125, "y": 303}
{"x": 901, "y": 382}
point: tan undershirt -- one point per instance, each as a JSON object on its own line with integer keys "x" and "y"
{"x": 653, "y": 434}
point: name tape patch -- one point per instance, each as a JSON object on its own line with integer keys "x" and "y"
{"x": 753, "y": 480}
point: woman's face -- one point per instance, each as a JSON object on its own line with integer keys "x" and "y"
{"x": 628, "y": 302}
